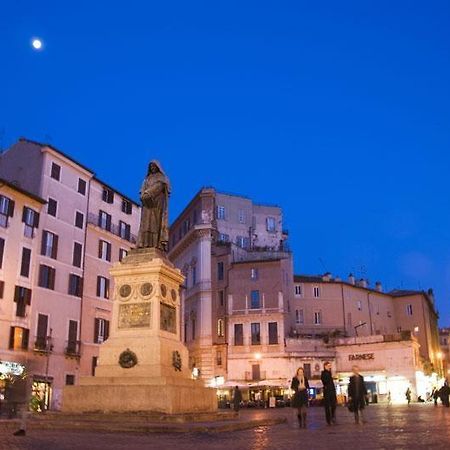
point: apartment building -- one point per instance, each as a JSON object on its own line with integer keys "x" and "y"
{"x": 330, "y": 307}
{"x": 84, "y": 227}
{"x": 219, "y": 242}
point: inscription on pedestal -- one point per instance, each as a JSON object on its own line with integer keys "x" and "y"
{"x": 135, "y": 315}
{"x": 168, "y": 318}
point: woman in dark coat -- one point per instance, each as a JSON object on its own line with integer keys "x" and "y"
{"x": 357, "y": 393}
{"x": 300, "y": 386}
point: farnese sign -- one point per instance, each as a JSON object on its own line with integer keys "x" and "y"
{"x": 361, "y": 356}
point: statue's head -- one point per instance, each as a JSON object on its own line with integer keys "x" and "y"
{"x": 154, "y": 167}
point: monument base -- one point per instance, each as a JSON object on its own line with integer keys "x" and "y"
{"x": 169, "y": 396}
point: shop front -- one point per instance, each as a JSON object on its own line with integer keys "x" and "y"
{"x": 11, "y": 386}
{"x": 389, "y": 365}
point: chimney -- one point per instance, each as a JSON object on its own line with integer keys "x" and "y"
{"x": 362, "y": 283}
{"x": 351, "y": 279}
{"x": 378, "y": 286}
{"x": 326, "y": 276}
{"x": 431, "y": 295}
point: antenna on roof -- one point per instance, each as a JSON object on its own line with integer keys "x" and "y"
{"x": 323, "y": 265}
{"x": 47, "y": 139}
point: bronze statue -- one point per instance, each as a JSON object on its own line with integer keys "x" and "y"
{"x": 154, "y": 227}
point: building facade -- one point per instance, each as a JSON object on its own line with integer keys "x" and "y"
{"x": 83, "y": 228}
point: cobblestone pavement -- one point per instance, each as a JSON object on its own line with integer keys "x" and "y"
{"x": 388, "y": 427}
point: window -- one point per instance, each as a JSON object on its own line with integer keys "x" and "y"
{"x": 6, "y": 210}
{"x": 219, "y": 358}
{"x": 31, "y": 219}
{"x": 2, "y": 288}
{"x": 298, "y": 289}
{"x": 81, "y": 186}
{"x": 94, "y": 365}
{"x": 317, "y": 318}
{"x": 223, "y": 237}
{"x": 72, "y": 338}
{"x": 254, "y": 274}
{"x": 316, "y": 291}
{"x": 256, "y": 333}
{"x": 220, "y": 328}
{"x": 2, "y": 250}
{"x": 270, "y": 224}
{"x": 221, "y": 298}
{"x": 52, "y": 207}
{"x": 256, "y": 372}
{"x": 186, "y": 226}
{"x": 359, "y": 305}
{"x": 122, "y": 253}
{"x": 273, "y": 333}
{"x": 104, "y": 220}
{"x": 241, "y": 216}
{"x": 299, "y": 316}
{"x": 56, "y": 172}
{"x": 70, "y": 380}
{"x": 124, "y": 230}
{"x": 22, "y": 297}
{"x": 126, "y": 206}
{"x": 49, "y": 244}
{"x": 194, "y": 275}
{"x": 75, "y": 285}
{"x": 193, "y": 323}
{"x": 221, "y": 212}
{"x": 101, "y": 330}
{"x": 238, "y": 334}
{"x": 46, "y": 277}
{"x": 409, "y": 310}
{"x": 104, "y": 250}
{"x": 242, "y": 241}
{"x": 79, "y": 219}
{"x": 107, "y": 195}
{"x": 18, "y": 338}
{"x": 77, "y": 254}
{"x": 307, "y": 370}
{"x": 25, "y": 264}
{"x": 102, "y": 287}
{"x": 255, "y": 300}
{"x": 220, "y": 270}
{"x": 41, "y": 333}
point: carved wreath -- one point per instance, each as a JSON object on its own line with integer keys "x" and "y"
{"x": 127, "y": 359}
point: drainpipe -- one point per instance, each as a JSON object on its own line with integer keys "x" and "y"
{"x": 370, "y": 312}
{"x": 343, "y": 307}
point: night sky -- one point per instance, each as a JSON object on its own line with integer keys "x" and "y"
{"x": 339, "y": 112}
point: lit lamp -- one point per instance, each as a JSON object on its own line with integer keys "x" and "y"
{"x": 257, "y": 356}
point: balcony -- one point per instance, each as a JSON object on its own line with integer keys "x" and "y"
{"x": 93, "y": 219}
{"x": 42, "y": 345}
{"x": 72, "y": 349}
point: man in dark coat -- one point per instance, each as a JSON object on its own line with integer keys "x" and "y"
{"x": 329, "y": 393}
{"x": 444, "y": 394}
{"x": 357, "y": 393}
{"x": 237, "y": 399}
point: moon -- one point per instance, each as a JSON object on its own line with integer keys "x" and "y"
{"x": 36, "y": 43}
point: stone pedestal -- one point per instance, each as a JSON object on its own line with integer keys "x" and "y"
{"x": 143, "y": 366}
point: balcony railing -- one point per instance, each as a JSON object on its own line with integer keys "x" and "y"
{"x": 114, "y": 228}
{"x": 42, "y": 344}
{"x": 73, "y": 348}
{"x": 249, "y": 376}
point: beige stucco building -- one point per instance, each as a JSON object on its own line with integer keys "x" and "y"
{"x": 83, "y": 228}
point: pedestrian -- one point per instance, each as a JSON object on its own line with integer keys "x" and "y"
{"x": 445, "y": 393}
{"x": 408, "y": 395}
{"x": 435, "y": 395}
{"x": 329, "y": 394}
{"x": 300, "y": 386}
{"x": 237, "y": 399}
{"x": 357, "y": 393}
{"x": 389, "y": 398}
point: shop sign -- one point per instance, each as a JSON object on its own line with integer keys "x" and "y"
{"x": 361, "y": 356}
{"x": 11, "y": 368}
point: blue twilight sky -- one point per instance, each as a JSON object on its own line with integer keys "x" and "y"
{"x": 337, "y": 111}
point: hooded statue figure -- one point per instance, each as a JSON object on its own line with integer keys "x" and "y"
{"x": 154, "y": 227}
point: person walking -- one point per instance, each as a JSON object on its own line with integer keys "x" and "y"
{"x": 408, "y": 395}
{"x": 300, "y": 386}
{"x": 329, "y": 393}
{"x": 444, "y": 394}
{"x": 357, "y": 393}
{"x": 237, "y": 399}
{"x": 435, "y": 395}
